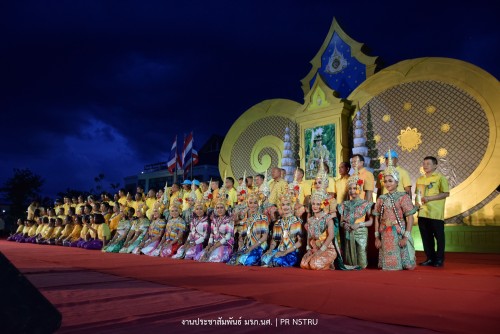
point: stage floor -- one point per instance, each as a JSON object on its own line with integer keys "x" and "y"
{"x": 127, "y": 293}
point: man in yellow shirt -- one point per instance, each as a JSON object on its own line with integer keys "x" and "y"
{"x": 195, "y": 184}
{"x": 365, "y": 175}
{"x": 277, "y": 185}
{"x": 404, "y": 184}
{"x": 304, "y": 186}
{"x": 341, "y": 193}
{"x": 432, "y": 190}
{"x": 232, "y": 195}
{"x": 122, "y": 197}
{"x": 186, "y": 188}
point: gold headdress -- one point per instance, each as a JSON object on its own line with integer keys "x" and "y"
{"x": 322, "y": 178}
{"x": 264, "y": 187}
{"x": 355, "y": 180}
{"x": 242, "y": 190}
{"x": 391, "y": 170}
{"x": 192, "y": 195}
{"x": 254, "y": 196}
{"x": 199, "y": 202}
{"x": 286, "y": 197}
{"x": 176, "y": 204}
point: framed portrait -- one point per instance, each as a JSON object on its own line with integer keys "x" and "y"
{"x": 319, "y": 142}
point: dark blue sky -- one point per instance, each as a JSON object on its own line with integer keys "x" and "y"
{"x": 93, "y": 87}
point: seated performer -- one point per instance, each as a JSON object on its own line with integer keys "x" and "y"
{"x": 321, "y": 249}
{"x": 68, "y": 228}
{"x": 355, "y": 217}
{"x": 175, "y": 230}
{"x": 58, "y": 228}
{"x": 46, "y": 232}
{"x": 19, "y": 231}
{"x": 220, "y": 243}
{"x": 283, "y": 251}
{"x": 154, "y": 235}
{"x": 72, "y": 239}
{"x": 138, "y": 231}
{"x": 253, "y": 239}
{"x": 198, "y": 232}
{"x": 122, "y": 230}
{"x": 392, "y": 235}
{"x": 100, "y": 230}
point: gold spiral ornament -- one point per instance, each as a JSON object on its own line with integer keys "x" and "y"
{"x": 260, "y": 159}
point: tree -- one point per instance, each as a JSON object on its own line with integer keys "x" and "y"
{"x": 20, "y": 190}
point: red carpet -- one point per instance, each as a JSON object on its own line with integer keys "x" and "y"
{"x": 128, "y": 293}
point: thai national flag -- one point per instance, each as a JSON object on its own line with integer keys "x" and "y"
{"x": 174, "y": 158}
{"x": 189, "y": 154}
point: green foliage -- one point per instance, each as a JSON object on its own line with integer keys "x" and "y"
{"x": 20, "y": 190}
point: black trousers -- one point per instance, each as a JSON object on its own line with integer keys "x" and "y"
{"x": 431, "y": 229}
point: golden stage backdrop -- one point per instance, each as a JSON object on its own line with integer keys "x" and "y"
{"x": 441, "y": 107}
{"x": 449, "y": 109}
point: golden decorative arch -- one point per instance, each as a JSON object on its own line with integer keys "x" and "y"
{"x": 258, "y": 130}
{"x": 482, "y": 87}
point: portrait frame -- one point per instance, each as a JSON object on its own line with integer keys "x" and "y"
{"x": 320, "y": 141}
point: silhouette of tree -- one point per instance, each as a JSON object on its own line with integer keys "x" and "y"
{"x": 20, "y": 190}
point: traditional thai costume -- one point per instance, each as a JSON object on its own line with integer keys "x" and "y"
{"x": 392, "y": 210}
{"x": 254, "y": 226}
{"x": 356, "y": 241}
{"x": 153, "y": 237}
{"x": 222, "y": 231}
{"x": 141, "y": 228}
{"x": 119, "y": 239}
{"x": 317, "y": 233}
{"x": 174, "y": 233}
{"x": 285, "y": 232}
{"x": 193, "y": 246}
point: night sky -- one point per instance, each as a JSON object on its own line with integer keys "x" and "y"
{"x": 93, "y": 87}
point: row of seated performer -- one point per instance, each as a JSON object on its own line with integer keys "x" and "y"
{"x": 254, "y": 232}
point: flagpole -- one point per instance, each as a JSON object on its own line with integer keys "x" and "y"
{"x": 192, "y": 148}
{"x": 175, "y": 157}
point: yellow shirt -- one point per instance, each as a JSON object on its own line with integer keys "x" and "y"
{"x": 278, "y": 189}
{"x": 79, "y": 208}
{"x": 66, "y": 207}
{"x": 215, "y": 195}
{"x": 32, "y": 231}
{"x": 305, "y": 190}
{"x": 57, "y": 232}
{"x": 84, "y": 231}
{"x": 40, "y": 228}
{"x": 341, "y": 189}
{"x": 103, "y": 232}
{"x": 47, "y": 232}
{"x": 123, "y": 200}
{"x": 185, "y": 204}
{"x": 68, "y": 228}
{"x": 404, "y": 180}
{"x": 232, "y": 196}
{"x": 114, "y": 220}
{"x": 368, "y": 182}
{"x": 199, "y": 194}
{"x": 20, "y": 228}
{"x": 26, "y": 229}
{"x": 75, "y": 233}
{"x": 91, "y": 232}
{"x": 431, "y": 186}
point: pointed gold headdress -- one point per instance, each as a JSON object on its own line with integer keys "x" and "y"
{"x": 391, "y": 170}
{"x": 322, "y": 179}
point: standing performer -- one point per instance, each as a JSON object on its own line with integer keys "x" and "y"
{"x": 392, "y": 235}
{"x": 354, "y": 218}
